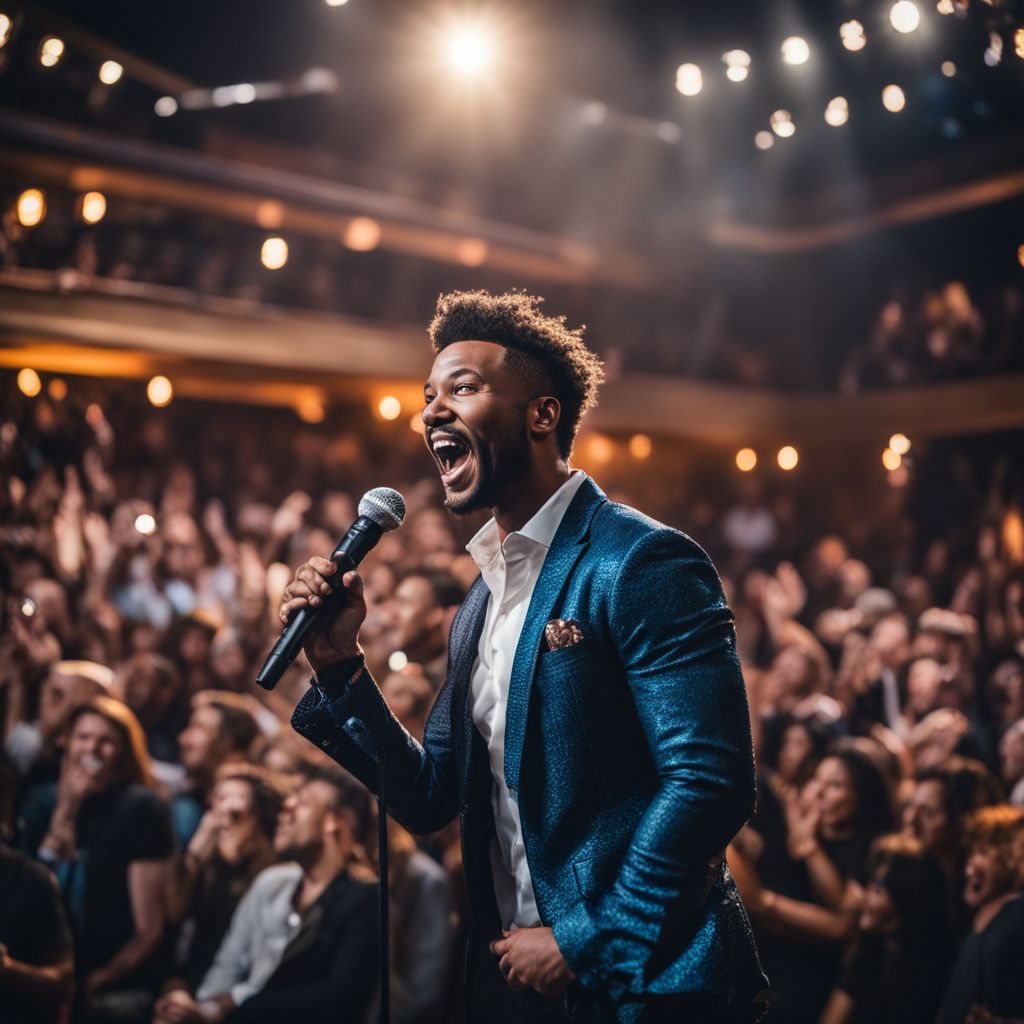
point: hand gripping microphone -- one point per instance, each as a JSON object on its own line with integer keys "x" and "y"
{"x": 381, "y": 509}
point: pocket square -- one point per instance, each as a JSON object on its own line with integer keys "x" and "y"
{"x": 559, "y": 633}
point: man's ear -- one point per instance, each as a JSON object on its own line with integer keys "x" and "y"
{"x": 545, "y": 413}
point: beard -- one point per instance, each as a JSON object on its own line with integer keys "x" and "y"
{"x": 496, "y": 473}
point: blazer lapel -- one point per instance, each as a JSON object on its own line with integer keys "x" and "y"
{"x": 567, "y": 546}
{"x": 462, "y": 650}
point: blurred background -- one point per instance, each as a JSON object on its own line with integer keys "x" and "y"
{"x": 795, "y": 232}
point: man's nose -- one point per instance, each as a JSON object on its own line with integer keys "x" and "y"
{"x": 436, "y": 412}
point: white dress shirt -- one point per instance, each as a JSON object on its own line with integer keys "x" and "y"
{"x": 510, "y": 569}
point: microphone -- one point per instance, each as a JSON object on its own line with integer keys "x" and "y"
{"x": 381, "y": 510}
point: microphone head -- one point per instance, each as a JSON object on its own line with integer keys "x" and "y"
{"x": 385, "y": 506}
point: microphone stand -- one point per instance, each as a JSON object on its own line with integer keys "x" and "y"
{"x": 384, "y": 928}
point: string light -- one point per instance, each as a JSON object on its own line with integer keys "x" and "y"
{"x": 795, "y": 50}
{"x": 852, "y": 35}
{"x": 893, "y": 99}
{"x": 837, "y": 112}
{"x": 891, "y": 460}
{"x": 50, "y": 51}
{"x": 782, "y": 124}
{"x": 904, "y": 16}
{"x": 159, "y": 391}
{"x": 94, "y": 207}
{"x": 737, "y": 65}
{"x": 746, "y": 460}
{"x": 899, "y": 443}
{"x": 764, "y": 140}
{"x": 29, "y": 383}
{"x": 110, "y": 72}
{"x": 788, "y": 457}
{"x": 274, "y": 253}
{"x": 31, "y": 207}
{"x": 689, "y": 79}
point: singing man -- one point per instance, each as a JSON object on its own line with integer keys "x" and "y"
{"x": 592, "y": 733}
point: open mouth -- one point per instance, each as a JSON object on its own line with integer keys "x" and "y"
{"x": 452, "y": 455}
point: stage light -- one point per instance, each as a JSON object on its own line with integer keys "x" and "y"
{"x": 244, "y": 93}
{"x": 899, "y": 443}
{"x": 310, "y": 406}
{"x": 57, "y": 389}
{"x": 50, "y": 51}
{"x": 891, "y": 460}
{"x": 110, "y": 72}
{"x": 29, "y": 383}
{"x": 948, "y": 68}
{"x": 837, "y": 113}
{"x": 689, "y": 79}
{"x": 746, "y": 460}
{"x": 166, "y": 106}
{"x": 362, "y": 234}
{"x": 782, "y": 124}
{"x": 764, "y": 140}
{"x": 1018, "y": 43}
{"x": 274, "y": 253}
{"x": 389, "y": 407}
{"x": 737, "y": 65}
{"x": 159, "y": 391}
{"x": 336, "y": 3}
{"x": 397, "y": 660}
{"x": 795, "y": 50}
{"x": 852, "y": 35}
{"x": 5, "y": 28}
{"x": 145, "y": 524}
{"x": 471, "y": 252}
{"x": 788, "y": 457}
{"x": 640, "y": 446}
{"x": 469, "y": 47}
{"x": 31, "y": 207}
{"x": 945, "y": 7}
{"x": 904, "y": 16}
{"x": 893, "y": 99}
{"x": 94, "y": 207}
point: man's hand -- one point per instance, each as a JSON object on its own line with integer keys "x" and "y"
{"x": 178, "y": 1007}
{"x": 338, "y": 639}
{"x": 530, "y": 958}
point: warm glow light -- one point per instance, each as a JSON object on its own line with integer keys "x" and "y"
{"x": 5, "y": 28}
{"x": 389, "y": 407}
{"x": 736, "y": 72}
{"x": 893, "y": 99}
{"x": 57, "y": 389}
{"x": 737, "y": 65}
{"x": 891, "y": 460}
{"x": 904, "y": 16}
{"x": 746, "y": 460}
{"x": 994, "y": 53}
{"x": 110, "y": 72}
{"x": 362, "y": 234}
{"x": 269, "y": 214}
{"x": 945, "y": 7}
{"x": 50, "y": 51}
{"x": 310, "y": 407}
{"x": 274, "y": 254}
{"x": 471, "y": 252}
{"x": 764, "y": 140}
{"x": 416, "y": 424}
{"x": 166, "y": 106}
{"x": 837, "y": 112}
{"x": 852, "y": 35}
{"x": 397, "y": 660}
{"x": 1018, "y": 43}
{"x": 336, "y": 3}
{"x": 782, "y": 124}
{"x": 948, "y": 68}
{"x": 795, "y": 50}
{"x": 31, "y": 207}
{"x": 29, "y": 382}
{"x": 640, "y": 446}
{"x": 145, "y": 524}
{"x": 1020, "y": 255}
{"x": 899, "y": 443}
{"x": 689, "y": 79}
{"x": 94, "y": 207}
{"x": 788, "y": 457}
{"x": 159, "y": 391}
{"x": 470, "y": 48}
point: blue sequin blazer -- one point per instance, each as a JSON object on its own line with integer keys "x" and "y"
{"x": 629, "y": 753}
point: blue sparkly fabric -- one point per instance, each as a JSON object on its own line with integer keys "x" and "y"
{"x": 629, "y": 753}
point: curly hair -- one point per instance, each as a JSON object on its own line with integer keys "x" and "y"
{"x": 546, "y": 354}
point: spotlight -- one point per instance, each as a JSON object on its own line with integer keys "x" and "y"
{"x": 782, "y": 124}
{"x": 5, "y": 28}
{"x": 948, "y": 68}
{"x": 336, "y": 3}
{"x": 746, "y": 460}
{"x": 689, "y": 80}
{"x": 145, "y": 524}
{"x": 899, "y": 443}
{"x": 166, "y": 106}
{"x": 788, "y": 457}
{"x": 945, "y": 7}
{"x": 470, "y": 48}
{"x": 362, "y": 234}
{"x": 31, "y": 207}
{"x": 764, "y": 140}
{"x": 904, "y": 16}
{"x": 1018, "y": 43}
{"x": 110, "y": 72}
{"x": 397, "y": 660}
{"x": 159, "y": 391}
{"x": 29, "y": 383}
{"x": 94, "y": 207}
{"x": 640, "y": 446}
{"x": 837, "y": 112}
{"x": 893, "y": 99}
{"x": 852, "y": 35}
{"x": 389, "y": 407}
{"x": 795, "y": 50}
{"x": 51, "y": 49}
{"x": 274, "y": 253}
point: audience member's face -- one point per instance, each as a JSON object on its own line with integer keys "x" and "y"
{"x": 890, "y": 640}
{"x": 182, "y": 547}
{"x": 194, "y": 646}
{"x": 925, "y": 816}
{"x": 57, "y": 696}
{"x": 837, "y": 799}
{"x": 916, "y": 596}
{"x": 94, "y": 745}
{"x": 878, "y": 912}
{"x": 796, "y": 747}
{"x": 1011, "y": 755}
{"x": 232, "y": 803}
{"x": 307, "y": 817}
{"x": 200, "y": 741}
{"x": 792, "y": 672}
{"x": 924, "y": 683}
{"x": 414, "y": 615}
{"x": 1006, "y": 691}
{"x": 987, "y": 876}
{"x": 143, "y": 687}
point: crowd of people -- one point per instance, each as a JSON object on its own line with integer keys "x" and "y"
{"x": 172, "y": 852}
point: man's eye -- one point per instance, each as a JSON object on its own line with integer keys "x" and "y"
{"x": 459, "y": 387}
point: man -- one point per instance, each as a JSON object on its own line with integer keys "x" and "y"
{"x": 592, "y": 733}
{"x": 151, "y": 686}
{"x": 301, "y": 943}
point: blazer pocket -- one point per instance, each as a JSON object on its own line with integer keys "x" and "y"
{"x": 596, "y": 875}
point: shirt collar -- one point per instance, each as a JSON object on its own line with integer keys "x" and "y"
{"x": 541, "y": 527}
